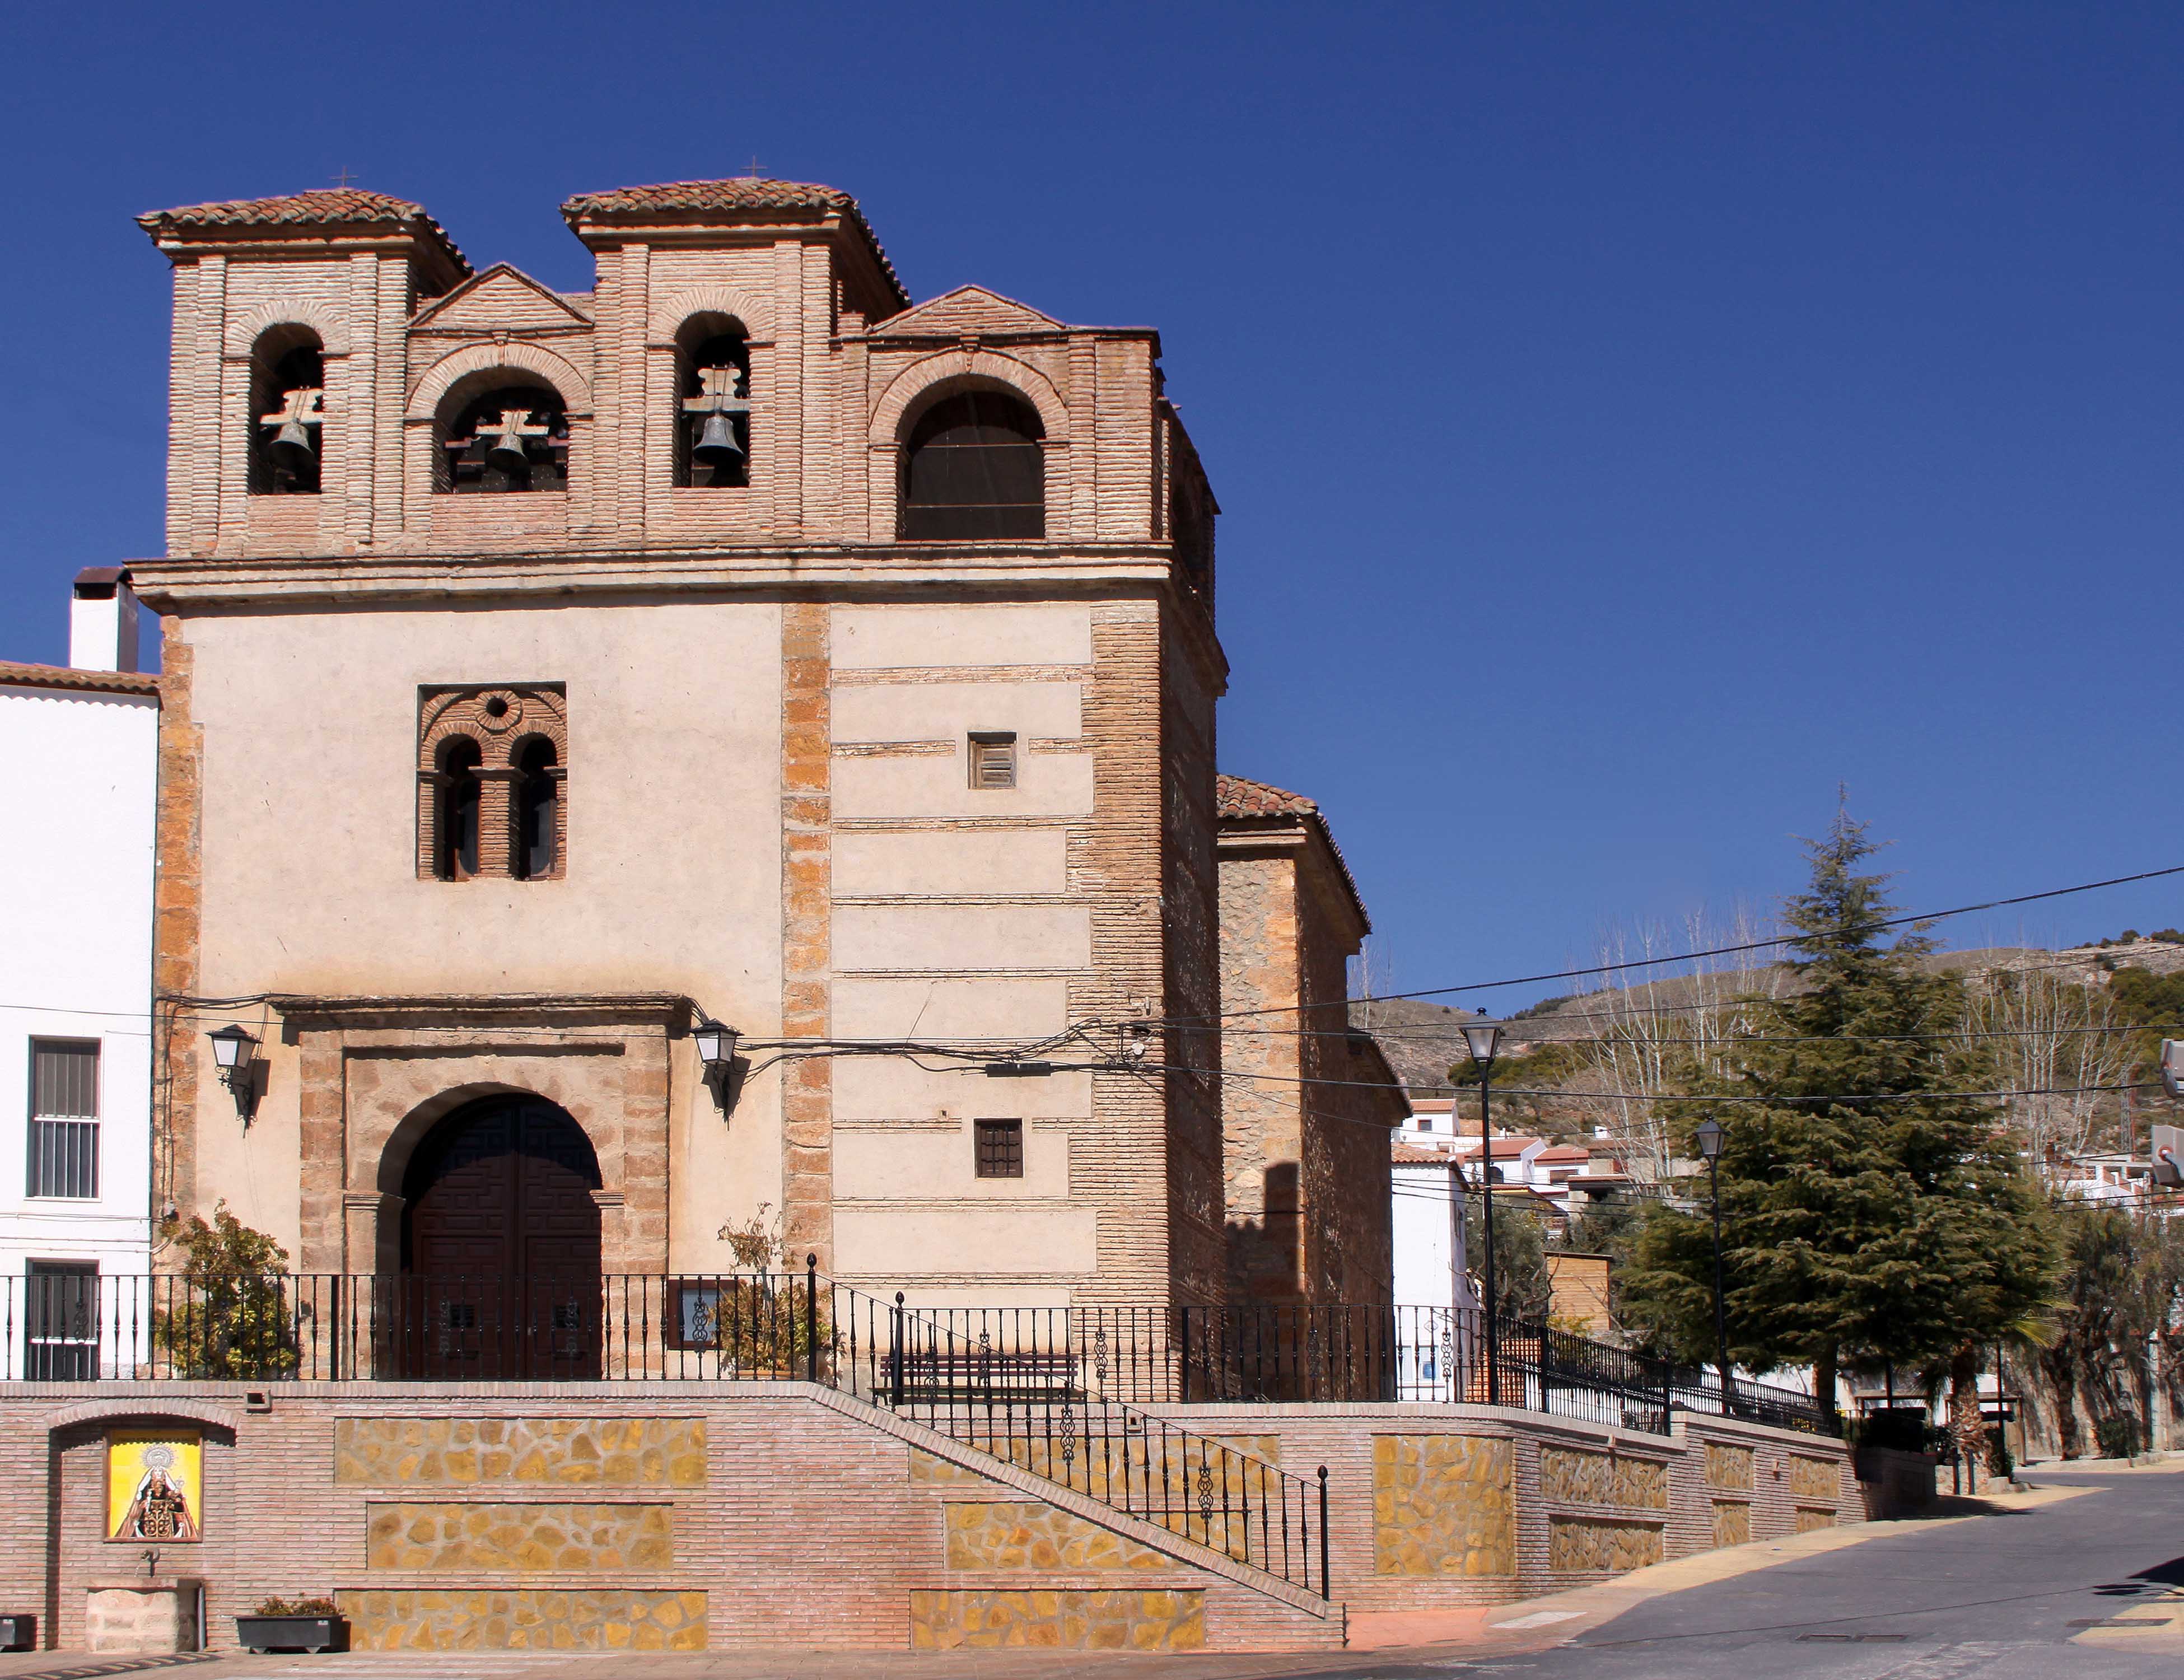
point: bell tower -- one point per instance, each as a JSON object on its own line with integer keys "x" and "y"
{"x": 287, "y": 371}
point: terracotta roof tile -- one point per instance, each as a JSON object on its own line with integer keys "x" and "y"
{"x": 730, "y": 201}
{"x": 1403, "y": 1154}
{"x": 324, "y": 207}
{"x": 740, "y": 194}
{"x": 1238, "y": 799}
{"x": 13, "y": 674}
{"x": 1233, "y": 797}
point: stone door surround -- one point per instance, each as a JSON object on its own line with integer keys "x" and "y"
{"x": 376, "y": 1073}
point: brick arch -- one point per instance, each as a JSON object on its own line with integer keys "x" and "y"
{"x": 433, "y": 387}
{"x": 399, "y": 1147}
{"x": 456, "y": 714}
{"x": 154, "y": 1410}
{"x": 667, "y": 317}
{"x": 243, "y": 332}
{"x": 948, "y": 371}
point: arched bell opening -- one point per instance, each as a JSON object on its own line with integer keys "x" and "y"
{"x": 287, "y": 412}
{"x": 501, "y": 1245}
{"x": 712, "y": 384}
{"x": 974, "y": 468}
{"x": 500, "y": 434}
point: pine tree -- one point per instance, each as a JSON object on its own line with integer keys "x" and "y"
{"x": 1868, "y": 1212}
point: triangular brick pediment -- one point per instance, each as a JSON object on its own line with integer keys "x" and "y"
{"x": 969, "y": 308}
{"x": 501, "y": 300}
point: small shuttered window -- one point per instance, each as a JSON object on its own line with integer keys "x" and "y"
{"x": 63, "y": 1130}
{"x": 993, "y": 757}
{"x": 1000, "y": 1148}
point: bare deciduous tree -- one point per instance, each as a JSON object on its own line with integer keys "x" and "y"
{"x": 2052, "y": 1041}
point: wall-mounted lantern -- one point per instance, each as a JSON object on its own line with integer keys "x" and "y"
{"x": 717, "y": 1053}
{"x": 236, "y": 1052}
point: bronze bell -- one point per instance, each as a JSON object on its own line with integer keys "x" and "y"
{"x": 507, "y": 453}
{"x": 291, "y": 447}
{"x": 716, "y": 445}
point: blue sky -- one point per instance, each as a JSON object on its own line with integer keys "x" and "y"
{"x": 1630, "y": 422}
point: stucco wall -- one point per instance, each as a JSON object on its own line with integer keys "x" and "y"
{"x": 75, "y": 958}
{"x": 309, "y": 883}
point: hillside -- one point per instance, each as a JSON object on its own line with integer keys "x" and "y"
{"x": 1422, "y": 1039}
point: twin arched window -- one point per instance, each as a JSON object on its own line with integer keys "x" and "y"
{"x": 974, "y": 468}
{"x": 491, "y": 783}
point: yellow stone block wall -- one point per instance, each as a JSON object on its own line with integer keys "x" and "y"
{"x": 1444, "y": 1505}
{"x": 1728, "y": 1466}
{"x": 1732, "y": 1522}
{"x": 1067, "y": 1620}
{"x": 588, "y": 1539}
{"x": 631, "y": 1452}
{"x": 527, "y": 1620}
{"x": 1572, "y": 1477}
{"x": 1808, "y": 1519}
{"x": 1591, "y": 1543}
{"x": 1814, "y": 1479}
{"x": 1027, "y": 1535}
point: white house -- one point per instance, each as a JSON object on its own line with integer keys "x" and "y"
{"x": 1428, "y": 1229}
{"x": 80, "y": 744}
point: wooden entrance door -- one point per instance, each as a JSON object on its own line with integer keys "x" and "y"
{"x": 501, "y": 1246}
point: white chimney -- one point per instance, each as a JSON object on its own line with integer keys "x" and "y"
{"x": 102, "y": 620}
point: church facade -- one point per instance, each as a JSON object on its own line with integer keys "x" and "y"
{"x": 552, "y": 679}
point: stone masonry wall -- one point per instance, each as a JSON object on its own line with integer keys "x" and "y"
{"x": 1471, "y": 1505}
{"x": 604, "y": 1516}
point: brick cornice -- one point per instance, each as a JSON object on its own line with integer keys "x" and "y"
{"x": 190, "y": 580}
{"x": 482, "y": 1008}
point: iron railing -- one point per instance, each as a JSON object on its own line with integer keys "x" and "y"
{"x": 744, "y": 1326}
{"x": 1014, "y": 1383}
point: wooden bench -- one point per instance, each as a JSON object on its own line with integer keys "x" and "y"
{"x": 988, "y": 1374}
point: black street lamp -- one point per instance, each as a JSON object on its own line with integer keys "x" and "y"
{"x": 1486, "y": 1041}
{"x": 1710, "y": 1136}
{"x": 717, "y": 1055}
{"x": 234, "y": 1052}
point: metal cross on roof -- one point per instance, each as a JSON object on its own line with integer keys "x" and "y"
{"x": 717, "y": 393}
{"x": 302, "y": 406}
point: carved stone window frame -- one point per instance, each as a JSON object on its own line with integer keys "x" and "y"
{"x": 501, "y": 718}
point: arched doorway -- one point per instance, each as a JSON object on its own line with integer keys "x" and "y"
{"x": 501, "y": 1246}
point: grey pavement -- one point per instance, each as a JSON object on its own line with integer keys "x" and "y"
{"x": 2090, "y": 1586}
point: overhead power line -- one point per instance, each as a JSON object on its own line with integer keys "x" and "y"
{"x": 1856, "y": 929}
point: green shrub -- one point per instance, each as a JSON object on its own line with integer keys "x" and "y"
{"x": 2117, "y": 1437}
{"x": 227, "y": 1316}
{"x": 296, "y": 1607}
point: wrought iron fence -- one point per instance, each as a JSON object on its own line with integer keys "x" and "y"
{"x": 1021, "y": 1385}
{"x": 745, "y": 1326}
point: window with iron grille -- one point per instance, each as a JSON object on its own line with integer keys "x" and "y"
{"x": 1000, "y": 1148}
{"x": 64, "y": 1140}
{"x": 60, "y": 1321}
{"x": 993, "y": 757}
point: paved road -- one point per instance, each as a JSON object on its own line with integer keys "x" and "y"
{"x": 2004, "y": 1597}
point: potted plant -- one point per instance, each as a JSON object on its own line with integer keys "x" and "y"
{"x": 312, "y": 1625}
